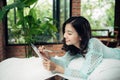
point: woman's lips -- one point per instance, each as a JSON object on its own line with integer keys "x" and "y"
{"x": 67, "y": 41}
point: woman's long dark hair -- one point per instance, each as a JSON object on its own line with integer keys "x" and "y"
{"x": 82, "y": 26}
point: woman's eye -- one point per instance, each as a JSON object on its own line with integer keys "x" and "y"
{"x": 69, "y": 33}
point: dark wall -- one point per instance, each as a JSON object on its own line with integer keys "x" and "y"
{"x": 117, "y": 16}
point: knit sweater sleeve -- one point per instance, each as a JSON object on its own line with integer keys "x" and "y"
{"x": 64, "y": 60}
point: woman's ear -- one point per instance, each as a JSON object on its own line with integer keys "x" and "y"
{"x": 80, "y": 39}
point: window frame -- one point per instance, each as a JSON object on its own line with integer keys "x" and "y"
{"x": 56, "y": 16}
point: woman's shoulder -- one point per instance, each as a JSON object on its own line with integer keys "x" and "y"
{"x": 95, "y": 42}
{"x": 93, "y": 39}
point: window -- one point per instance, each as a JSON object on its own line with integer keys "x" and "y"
{"x": 100, "y": 13}
{"x": 49, "y": 12}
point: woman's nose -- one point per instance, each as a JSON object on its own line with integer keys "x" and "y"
{"x": 64, "y": 35}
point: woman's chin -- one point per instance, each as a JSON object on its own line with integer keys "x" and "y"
{"x": 68, "y": 44}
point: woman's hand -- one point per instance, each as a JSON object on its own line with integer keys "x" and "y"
{"x": 51, "y": 66}
{"x": 43, "y": 52}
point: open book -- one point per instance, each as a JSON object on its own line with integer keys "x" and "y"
{"x": 57, "y": 77}
{"x": 36, "y": 51}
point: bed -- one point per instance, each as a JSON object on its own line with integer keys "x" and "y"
{"x": 32, "y": 69}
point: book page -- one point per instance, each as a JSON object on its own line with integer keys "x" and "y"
{"x": 36, "y": 51}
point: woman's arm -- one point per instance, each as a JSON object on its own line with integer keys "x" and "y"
{"x": 57, "y": 64}
{"x": 51, "y": 66}
{"x": 64, "y": 60}
{"x": 59, "y": 69}
{"x": 93, "y": 58}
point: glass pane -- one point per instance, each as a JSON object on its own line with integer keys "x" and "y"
{"x": 64, "y": 14}
{"x": 100, "y": 13}
{"x": 45, "y": 8}
{"x": 40, "y": 14}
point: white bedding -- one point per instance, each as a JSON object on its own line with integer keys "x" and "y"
{"x": 23, "y": 69}
{"x": 109, "y": 69}
{"x": 32, "y": 69}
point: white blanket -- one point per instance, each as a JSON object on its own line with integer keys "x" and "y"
{"x": 23, "y": 69}
{"x": 32, "y": 69}
{"x": 109, "y": 69}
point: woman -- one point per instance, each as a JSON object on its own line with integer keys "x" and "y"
{"x": 78, "y": 42}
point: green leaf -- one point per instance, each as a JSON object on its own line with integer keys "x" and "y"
{"x": 32, "y": 12}
{"x": 28, "y": 2}
{"x": 6, "y": 8}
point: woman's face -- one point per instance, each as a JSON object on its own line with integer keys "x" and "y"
{"x": 71, "y": 36}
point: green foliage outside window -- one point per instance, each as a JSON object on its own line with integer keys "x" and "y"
{"x": 100, "y": 13}
{"x": 30, "y": 21}
{"x": 41, "y": 10}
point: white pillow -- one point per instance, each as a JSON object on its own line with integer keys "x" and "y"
{"x": 109, "y": 69}
{"x": 76, "y": 63}
{"x": 23, "y": 69}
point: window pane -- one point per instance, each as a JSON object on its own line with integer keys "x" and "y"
{"x": 64, "y": 14}
{"x": 100, "y": 13}
{"x": 45, "y": 8}
{"x": 43, "y": 13}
